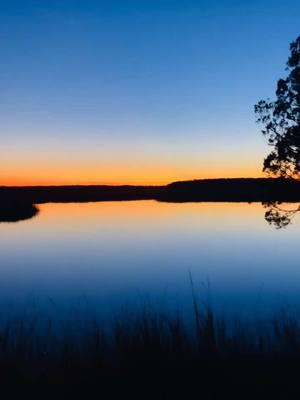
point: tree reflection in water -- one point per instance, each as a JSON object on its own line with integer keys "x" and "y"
{"x": 279, "y": 216}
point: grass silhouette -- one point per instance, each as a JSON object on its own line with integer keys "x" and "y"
{"x": 149, "y": 355}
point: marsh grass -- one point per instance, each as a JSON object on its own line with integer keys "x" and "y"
{"x": 149, "y": 355}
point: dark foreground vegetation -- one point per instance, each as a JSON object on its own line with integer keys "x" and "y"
{"x": 150, "y": 356}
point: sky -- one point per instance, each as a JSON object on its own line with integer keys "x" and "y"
{"x": 137, "y": 92}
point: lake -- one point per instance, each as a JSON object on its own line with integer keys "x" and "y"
{"x": 110, "y": 256}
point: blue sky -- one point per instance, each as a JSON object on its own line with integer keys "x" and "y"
{"x": 137, "y": 91}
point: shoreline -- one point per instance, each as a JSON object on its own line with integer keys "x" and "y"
{"x": 211, "y": 190}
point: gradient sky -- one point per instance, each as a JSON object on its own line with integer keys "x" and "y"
{"x": 137, "y": 91}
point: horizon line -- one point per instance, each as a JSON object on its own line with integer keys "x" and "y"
{"x": 136, "y": 185}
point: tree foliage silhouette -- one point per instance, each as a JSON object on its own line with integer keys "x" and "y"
{"x": 281, "y": 121}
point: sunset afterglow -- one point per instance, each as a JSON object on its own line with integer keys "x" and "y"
{"x": 101, "y": 94}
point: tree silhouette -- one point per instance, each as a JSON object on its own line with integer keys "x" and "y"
{"x": 281, "y": 121}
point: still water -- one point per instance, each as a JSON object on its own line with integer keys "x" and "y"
{"x": 113, "y": 255}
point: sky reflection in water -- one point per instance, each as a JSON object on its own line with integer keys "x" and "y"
{"x": 119, "y": 253}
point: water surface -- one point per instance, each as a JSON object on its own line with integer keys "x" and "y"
{"x": 119, "y": 254}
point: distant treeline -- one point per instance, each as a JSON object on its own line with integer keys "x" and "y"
{"x": 247, "y": 189}
{"x": 240, "y": 190}
{"x": 67, "y": 194}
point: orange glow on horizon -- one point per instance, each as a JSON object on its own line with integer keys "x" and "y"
{"x": 142, "y": 176}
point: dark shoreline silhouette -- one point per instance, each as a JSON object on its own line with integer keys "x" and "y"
{"x": 74, "y": 194}
{"x": 264, "y": 190}
{"x": 17, "y": 203}
{"x": 237, "y": 189}
{"x": 14, "y": 212}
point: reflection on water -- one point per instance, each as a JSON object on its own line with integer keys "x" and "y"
{"x": 280, "y": 216}
{"x": 276, "y": 215}
{"x": 116, "y": 254}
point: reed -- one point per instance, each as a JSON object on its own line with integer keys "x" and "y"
{"x": 150, "y": 355}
